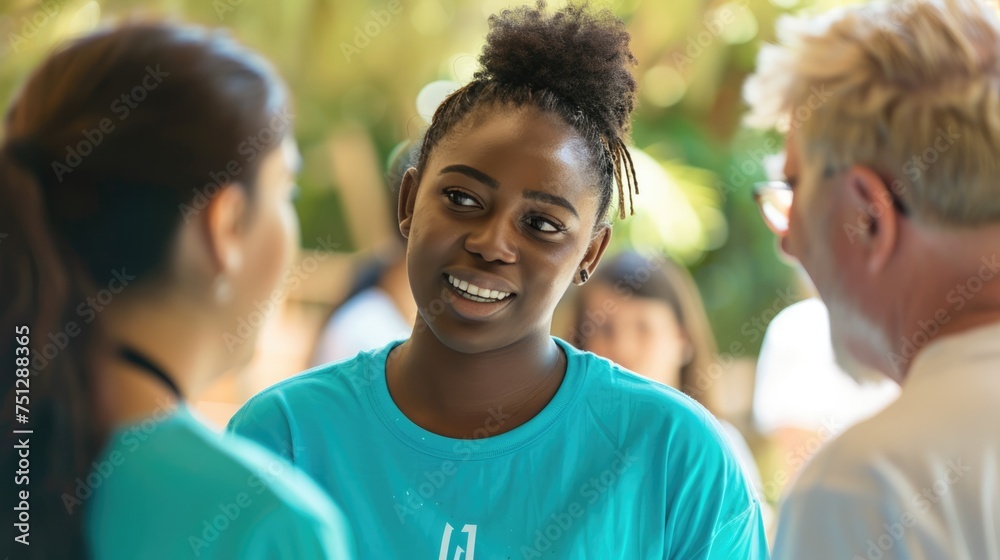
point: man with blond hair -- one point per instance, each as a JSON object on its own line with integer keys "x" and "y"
{"x": 891, "y": 203}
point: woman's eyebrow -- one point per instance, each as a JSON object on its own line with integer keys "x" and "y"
{"x": 473, "y": 173}
{"x": 551, "y": 199}
{"x": 494, "y": 184}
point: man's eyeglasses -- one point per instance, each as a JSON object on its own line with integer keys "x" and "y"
{"x": 774, "y": 198}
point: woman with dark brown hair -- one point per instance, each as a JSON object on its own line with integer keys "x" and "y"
{"x": 145, "y": 182}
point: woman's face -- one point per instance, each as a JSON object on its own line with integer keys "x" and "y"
{"x": 506, "y": 209}
{"x": 271, "y": 240}
{"x": 641, "y": 334}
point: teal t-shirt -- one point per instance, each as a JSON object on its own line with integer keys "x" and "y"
{"x": 615, "y": 466}
{"x": 169, "y": 487}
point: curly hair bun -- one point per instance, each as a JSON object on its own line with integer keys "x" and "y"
{"x": 580, "y": 56}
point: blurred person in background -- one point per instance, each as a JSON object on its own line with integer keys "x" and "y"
{"x": 891, "y": 204}
{"x": 146, "y": 176}
{"x": 482, "y": 436}
{"x": 646, "y": 314}
{"x": 379, "y": 308}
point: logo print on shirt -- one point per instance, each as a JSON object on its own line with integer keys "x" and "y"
{"x": 460, "y": 553}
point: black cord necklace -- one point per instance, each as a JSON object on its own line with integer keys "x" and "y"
{"x": 142, "y": 362}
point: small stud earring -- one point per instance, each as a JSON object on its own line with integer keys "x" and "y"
{"x": 583, "y": 276}
{"x": 223, "y": 290}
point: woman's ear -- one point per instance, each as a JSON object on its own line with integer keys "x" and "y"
{"x": 687, "y": 354}
{"x": 407, "y": 201}
{"x": 225, "y": 221}
{"x": 598, "y": 244}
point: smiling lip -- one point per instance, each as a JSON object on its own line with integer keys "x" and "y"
{"x": 479, "y": 284}
{"x": 475, "y": 292}
{"x": 477, "y": 296}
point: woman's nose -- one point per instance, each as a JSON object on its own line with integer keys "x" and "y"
{"x": 493, "y": 240}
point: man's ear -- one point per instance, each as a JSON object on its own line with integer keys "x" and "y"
{"x": 598, "y": 244}
{"x": 870, "y": 194}
{"x": 225, "y": 221}
{"x": 407, "y": 201}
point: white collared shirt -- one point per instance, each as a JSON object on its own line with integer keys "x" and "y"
{"x": 921, "y": 479}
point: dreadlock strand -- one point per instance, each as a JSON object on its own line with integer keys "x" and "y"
{"x": 616, "y": 158}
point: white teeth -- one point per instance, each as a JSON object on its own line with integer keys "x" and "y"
{"x": 475, "y": 293}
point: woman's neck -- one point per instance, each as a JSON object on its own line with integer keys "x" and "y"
{"x": 128, "y": 394}
{"x": 468, "y": 396}
{"x": 175, "y": 342}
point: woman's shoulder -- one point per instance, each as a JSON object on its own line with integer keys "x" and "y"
{"x": 608, "y": 381}
{"x": 236, "y": 482}
{"x": 228, "y": 465}
{"x": 271, "y": 481}
{"x": 625, "y": 398}
{"x": 644, "y": 414}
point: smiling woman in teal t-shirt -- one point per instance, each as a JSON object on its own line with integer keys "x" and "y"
{"x": 614, "y": 466}
{"x": 481, "y": 436}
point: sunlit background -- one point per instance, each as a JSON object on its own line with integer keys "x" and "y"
{"x": 367, "y": 75}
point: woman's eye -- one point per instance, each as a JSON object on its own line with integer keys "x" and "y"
{"x": 544, "y": 225}
{"x": 461, "y": 199}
